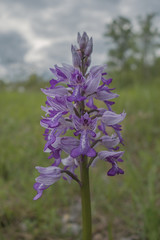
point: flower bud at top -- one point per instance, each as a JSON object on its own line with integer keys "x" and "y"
{"x": 82, "y": 41}
{"x": 89, "y": 48}
{"x": 75, "y": 57}
{"x": 78, "y": 37}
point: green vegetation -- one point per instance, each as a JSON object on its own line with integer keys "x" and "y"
{"x": 133, "y": 53}
{"x": 123, "y": 206}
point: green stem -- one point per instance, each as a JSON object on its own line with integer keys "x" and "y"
{"x": 86, "y": 201}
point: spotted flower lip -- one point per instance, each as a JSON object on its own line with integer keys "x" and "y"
{"x": 75, "y": 125}
{"x": 115, "y": 170}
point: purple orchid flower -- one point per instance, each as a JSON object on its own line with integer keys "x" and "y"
{"x": 74, "y": 124}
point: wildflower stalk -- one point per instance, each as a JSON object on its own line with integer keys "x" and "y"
{"x": 85, "y": 193}
{"x": 86, "y": 201}
{"x": 70, "y": 107}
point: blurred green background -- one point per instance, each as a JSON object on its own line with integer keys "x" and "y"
{"x": 124, "y": 207}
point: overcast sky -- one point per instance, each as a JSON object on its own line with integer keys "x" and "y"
{"x": 36, "y": 34}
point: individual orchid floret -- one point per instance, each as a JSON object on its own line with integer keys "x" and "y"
{"x": 48, "y": 176}
{"x": 111, "y": 157}
{"x": 85, "y": 127}
{"x": 77, "y": 82}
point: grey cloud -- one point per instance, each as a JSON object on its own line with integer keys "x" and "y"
{"x": 62, "y": 55}
{"x": 58, "y": 22}
{"x": 32, "y": 4}
{"x": 13, "y": 48}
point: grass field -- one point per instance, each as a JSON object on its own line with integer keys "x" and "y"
{"x": 124, "y": 207}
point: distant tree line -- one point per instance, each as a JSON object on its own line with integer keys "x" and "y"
{"x": 33, "y": 83}
{"x": 133, "y": 52}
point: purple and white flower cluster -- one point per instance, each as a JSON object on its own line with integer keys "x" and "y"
{"x": 74, "y": 105}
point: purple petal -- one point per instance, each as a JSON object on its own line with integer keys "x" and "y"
{"x": 89, "y": 48}
{"x": 39, "y": 194}
{"x": 51, "y": 170}
{"x": 58, "y": 103}
{"x": 91, "y": 152}
{"x": 55, "y": 154}
{"x": 112, "y": 171}
{"x": 51, "y": 122}
{"x": 77, "y": 122}
{"x": 106, "y": 154}
{"x": 84, "y": 147}
{"x": 39, "y": 187}
{"x": 69, "y": 161}
{"x": 111, "y": 118}
{"x": 53, "y": 82}
{"x": 68, "y": 143}
{"x": 90, "y": 104}
{"x": 104, "y": 96}
{"x": 82, "y": 41}
{"x": 120, "y": 171}
{"x": 102, "y": 128}
{"x": 57, "y": 91}
{"x": 92, "y": 83}
{"x": 115, "y": 170}
{"x": 47, "y": 180}
{"x": 51, "y": 140}
{"x": 110, "y": 142}
{"x": 75, "y": 57}
{"x": 76, "y": 96}
{"x": 57, "y": 162}
{"x": 76, "y": 152}
{"x": 93, "y": 124}
{"x": 60, "y": 72}
{"x": 96, "y": 70}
